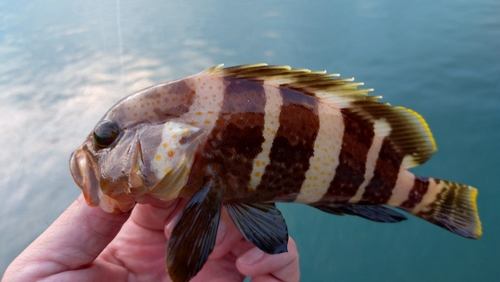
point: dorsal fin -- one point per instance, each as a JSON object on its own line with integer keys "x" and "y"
{"x": 406, "y": 129}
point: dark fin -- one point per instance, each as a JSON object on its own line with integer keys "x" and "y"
{"x": 194, "y": 234}
{"x": 374, "y": 213}
{"x": 260, "y": 224}
{"x": 407, "y": 130}
{"x": 453, "y": 208}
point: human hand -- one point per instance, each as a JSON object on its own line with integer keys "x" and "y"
{"x": 88, "y": 244}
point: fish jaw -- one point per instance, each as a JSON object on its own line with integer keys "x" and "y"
{"x": 84, "y": 176}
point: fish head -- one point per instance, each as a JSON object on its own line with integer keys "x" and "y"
{"x": 126, "y": 157}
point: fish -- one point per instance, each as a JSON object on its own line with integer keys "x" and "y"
{"x": 245, "y": 137}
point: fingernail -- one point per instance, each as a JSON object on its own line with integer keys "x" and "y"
{"x": 252, "y": 256}
{"x": 220, "y": 232}
{"x": 170, "y": 227}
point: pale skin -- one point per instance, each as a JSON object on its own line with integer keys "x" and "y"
{"x": 88, "y": 244}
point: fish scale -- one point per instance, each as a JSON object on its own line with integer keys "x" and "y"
{"x": 248, "y": 136}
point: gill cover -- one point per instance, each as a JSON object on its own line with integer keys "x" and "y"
{"x": 173, "y": 158}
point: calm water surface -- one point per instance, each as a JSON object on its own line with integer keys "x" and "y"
{"x": 64, "y": 63}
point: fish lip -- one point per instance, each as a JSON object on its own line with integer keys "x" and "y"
{"x": 82, "y": 171}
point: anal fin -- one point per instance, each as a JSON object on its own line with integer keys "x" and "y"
{"x": 194, "y": 234}
{"x": 261, "y": 224}
{"x": 370, "y": 212}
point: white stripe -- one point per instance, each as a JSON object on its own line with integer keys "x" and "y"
{"x": 372, "y": 157}
{"x": 404, "y": 184}
{"x": 271, "y": 124}
{"x": 325, "y": 160}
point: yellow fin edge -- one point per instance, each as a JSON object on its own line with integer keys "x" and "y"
{"x": 424, "y": 124}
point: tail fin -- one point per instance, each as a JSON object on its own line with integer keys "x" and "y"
{"x": 449, "y": 205}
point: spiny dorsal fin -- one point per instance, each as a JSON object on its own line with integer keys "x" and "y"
{"x": 407, "y": 130}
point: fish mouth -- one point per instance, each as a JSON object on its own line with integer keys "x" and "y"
{"x": 83, "y": 170}
{"x": 83, "y": 173}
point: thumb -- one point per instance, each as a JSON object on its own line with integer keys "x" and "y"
{"x": 74, "y": 240}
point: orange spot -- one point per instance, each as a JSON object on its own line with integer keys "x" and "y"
{"x": 142, "y": 106}
{"x": 166, "y": 170}
{"x": 257, "y": 163}
{"x": 316, "y": 168}
{"x": 135, "y": 114}
{"x": 166, "y": 100}
{"x": 207, "y": 121}
{"x": 147, "y": 104}
{"x": 135, "y": 106}
{"x": 219, "y": 87}
{"x": 210, "y": 87}
{"x": 210, "y": 112}
{"x": 193, "y": 92}
{"x": 205, "y": 98}
{"x": 146, "y": 113}
{"x": 219, "y": 104}
{"x": 174, "y": 136}
{"x": 192, "y": 123}
{"x": 214, "y": 96}
{"x": 170, "y": 153}
{"x": 165, "y": 145}
{"x": 324, "y": 181}
{"x": 158, "y": 157}
{"x": 199, "y": 79}
{"x": 192, "y": 85}
{"x": 257, "y": 173}
{"x": 198, "y": 113}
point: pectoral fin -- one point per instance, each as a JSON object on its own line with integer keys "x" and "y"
{"x": 193, "y": 237}
{"x": 374, "y": 213}
{"x": 260, "y": 224}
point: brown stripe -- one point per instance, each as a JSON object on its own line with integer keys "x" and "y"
{"x": 350, "y": 173}
{"x": 379, "y": 190}
{"x": 439, "y": 211}
{"x": 237, "y": 136}
{"x": 292, "y": 147}
{"x": 178, "y": 95}
{"x": 420, "y": 186}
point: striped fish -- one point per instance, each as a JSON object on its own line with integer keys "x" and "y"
{"x": 246, "y": 137}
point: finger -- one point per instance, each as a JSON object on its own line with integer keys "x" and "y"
{"x": 74, "y": 240}
{"x": 154, "y": 213}
{"x": 228, "y": 236}
{"x": 265, "y": 267}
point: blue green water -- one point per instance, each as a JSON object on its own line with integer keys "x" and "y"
{"x": 64, "y": 63}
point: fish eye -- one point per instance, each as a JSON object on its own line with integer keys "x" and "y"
{"x": 106, "y": 133}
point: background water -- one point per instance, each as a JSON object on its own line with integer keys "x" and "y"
{"x": 64, "y": 63}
